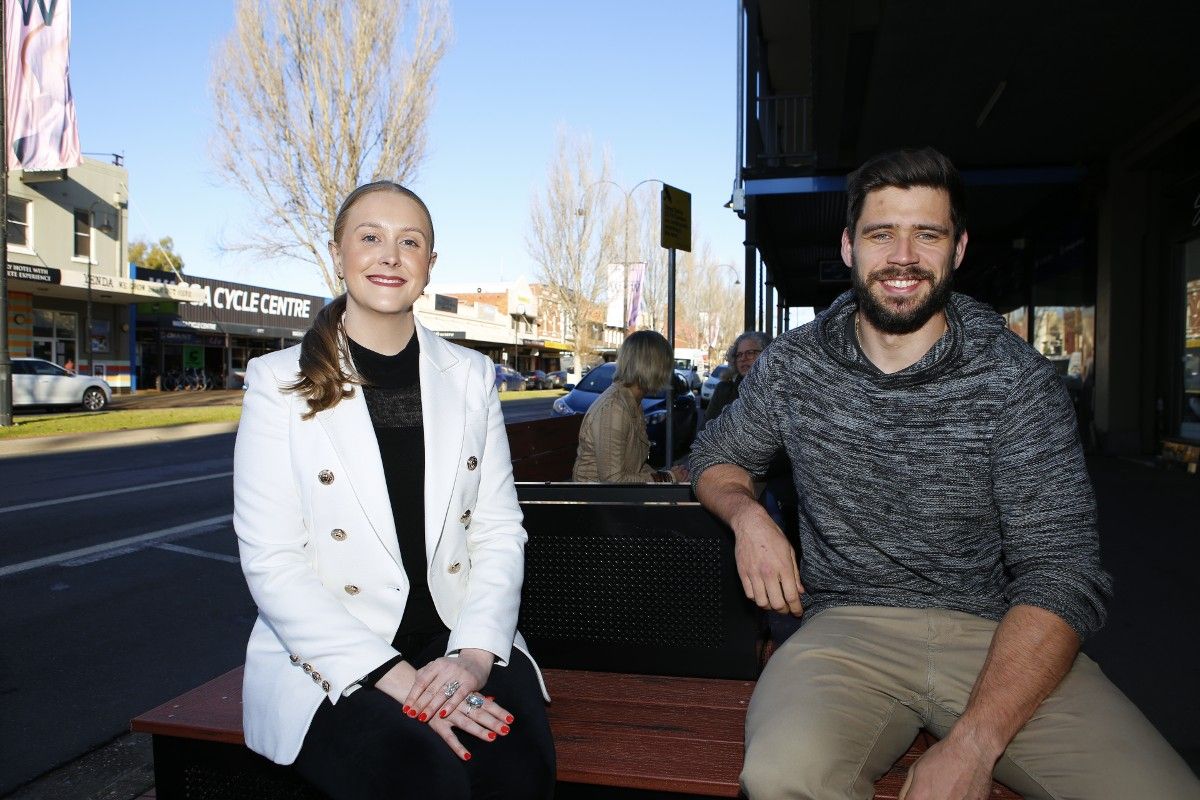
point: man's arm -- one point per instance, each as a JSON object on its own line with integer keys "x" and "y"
{"x": 765, "y": 559}
{"x": 1031, "y": 651}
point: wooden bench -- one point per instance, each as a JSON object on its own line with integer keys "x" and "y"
{"x": 651, "y": 733}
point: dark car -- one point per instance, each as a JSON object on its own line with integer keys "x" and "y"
{"x": 508, "y": 380}
{"x": 557, "y": 379}
{"x": 654, "y": 409}
{"x": 536, "y": 379}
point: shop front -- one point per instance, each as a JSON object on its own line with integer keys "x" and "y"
{"x": 208, "y": 343}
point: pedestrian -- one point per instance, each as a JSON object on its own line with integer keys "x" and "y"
{"x": 740, "y": 356}
{"x": 950, "y": 565}
{"x": 613, "y": 445}
{"x": 385, "y": 661}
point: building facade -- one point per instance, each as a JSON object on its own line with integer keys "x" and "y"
{"x": 218, "y": 333}
{"x": 69, "y": 284}
{"x": 1084, "y": 229}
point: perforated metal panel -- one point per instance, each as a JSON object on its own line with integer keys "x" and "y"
{"x": 634, "y": 589}
{"x": 641, "y": 587}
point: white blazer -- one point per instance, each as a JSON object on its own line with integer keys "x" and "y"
{"x": 318, "y": 542}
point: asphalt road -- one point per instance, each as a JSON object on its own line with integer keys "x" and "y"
{"x": 121, "y": 589}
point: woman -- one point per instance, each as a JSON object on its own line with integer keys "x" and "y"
{"x": 381, "y": 539}
{"x": 741, "y": 356}
{"x": 613, "y": 446}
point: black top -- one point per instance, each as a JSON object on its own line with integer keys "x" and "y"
{"x": 393, "y": 394}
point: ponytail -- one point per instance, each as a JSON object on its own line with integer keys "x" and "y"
{"x": 323, "y": 351}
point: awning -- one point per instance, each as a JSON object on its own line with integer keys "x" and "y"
{"x": 73, "y": 284}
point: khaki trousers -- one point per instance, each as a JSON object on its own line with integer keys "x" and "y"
{"x": 844, "y": 697}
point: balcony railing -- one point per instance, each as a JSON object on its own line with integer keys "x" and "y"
{"x": 785, "y": 129}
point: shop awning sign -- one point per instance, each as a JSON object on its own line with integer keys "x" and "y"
{"x": 36, "y": 274}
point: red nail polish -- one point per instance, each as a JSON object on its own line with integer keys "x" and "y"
{"x": 412, "y": 712}
{"x": 466, "y": 756}
{"x": 443, "y": 713}
{"x": 423, "y": 717}
{"x": 491, "y": 736}
{"x": 489, "y": 697}
{"x": 509, "y": 718}
{"x": 406, "y": 709}
{"x": 504, "y": 729}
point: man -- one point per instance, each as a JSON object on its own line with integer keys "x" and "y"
{"x": 950, "y": 562}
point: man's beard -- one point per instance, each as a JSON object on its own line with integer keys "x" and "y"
{"x": 885, "y": 317}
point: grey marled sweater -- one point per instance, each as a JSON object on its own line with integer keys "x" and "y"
{"x": 956, "y": 483}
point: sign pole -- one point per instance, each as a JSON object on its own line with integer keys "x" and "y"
{"x": 6, "y": 397}
{"x": 675, "y": 233}
{"x": 670, "y": 456}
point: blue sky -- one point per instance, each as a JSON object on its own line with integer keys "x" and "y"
{"x": 654, "y": 80}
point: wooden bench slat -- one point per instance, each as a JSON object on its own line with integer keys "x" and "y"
{"x": 700, "y": 693}
{"x": 638, "y": 762}
{"x": 211, "y": 711}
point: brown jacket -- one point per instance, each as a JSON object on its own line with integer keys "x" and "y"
{"x": 613, "y": 446}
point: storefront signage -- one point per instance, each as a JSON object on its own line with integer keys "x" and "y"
{"x": 452, "y": 334}
{"x": 223, "y": 302}
{"x": 27, "y": 272}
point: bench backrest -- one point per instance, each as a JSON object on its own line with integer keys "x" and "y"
{"x": 634, "y": 578}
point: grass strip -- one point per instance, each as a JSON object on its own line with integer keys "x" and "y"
{"x": 124, "y": 420}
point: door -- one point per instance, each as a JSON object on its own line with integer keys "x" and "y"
{"x": 23, "y": 381}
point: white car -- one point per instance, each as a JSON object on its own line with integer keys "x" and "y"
{"x": 710, "y": 384}
{"x": 36, "y": 382}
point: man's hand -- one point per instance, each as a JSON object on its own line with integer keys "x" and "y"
{"x": 766, "y": 562}
{"x": 950, "y": 770}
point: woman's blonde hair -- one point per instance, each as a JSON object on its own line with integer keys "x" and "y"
{"x": 645, "y": 360}
{"x": 324, "y": 354}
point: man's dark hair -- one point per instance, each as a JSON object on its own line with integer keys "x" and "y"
{"x": 905, "y": 169}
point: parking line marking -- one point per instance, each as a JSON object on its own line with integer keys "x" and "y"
{"x": 177, "y": 530}
{"x": 110, "y": 492}
{"x": 192, "y": 551}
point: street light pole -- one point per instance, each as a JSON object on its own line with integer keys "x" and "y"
{"x": 624, "y": 264}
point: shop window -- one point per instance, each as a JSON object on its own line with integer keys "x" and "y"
{"x": 1066, "y": 336}
{"x": 20, "y": 223}
{"x": 83, "y": 234}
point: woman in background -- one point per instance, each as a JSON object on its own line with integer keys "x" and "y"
{"x": 613, "y": 446}
{"x": 741, "y": 356}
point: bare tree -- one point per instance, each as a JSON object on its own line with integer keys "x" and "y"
{"x": 314, "y": 97}
{"x": 572, "y": 236}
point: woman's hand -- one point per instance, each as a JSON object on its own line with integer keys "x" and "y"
{"x": 483, "y": 719}
{"x": 680, "y": 473}
{"x": 430, "y": 696}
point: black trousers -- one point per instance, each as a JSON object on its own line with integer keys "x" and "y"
{"x": 365, "y": 747}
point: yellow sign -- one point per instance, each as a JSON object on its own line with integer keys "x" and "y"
{"x": 676, "y": 232}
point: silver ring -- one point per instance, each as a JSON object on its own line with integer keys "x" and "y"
{"x": 451, "y": 688}
{"x": 473, "y": 701}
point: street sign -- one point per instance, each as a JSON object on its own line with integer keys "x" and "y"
{"x": 676, "y": 232}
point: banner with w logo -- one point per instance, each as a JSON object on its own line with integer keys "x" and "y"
{"x": 42, "y": 133}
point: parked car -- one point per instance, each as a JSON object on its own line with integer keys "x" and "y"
{"x": 557, "y": 379}
{"x": 654, "y": 409}
{"x": 508, "y": 379}
{"x": 536, "y": 379}
{"x": 710, "y": 383}
{"x": 36, "y": 382}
